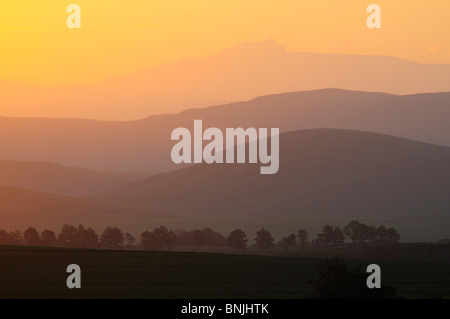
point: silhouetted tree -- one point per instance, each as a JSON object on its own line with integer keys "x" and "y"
{"x": 3, "y": 236}
{"x": 80, "y": 236}
{"x": 171, "y": 239}
{"x": 288, "y": 242}
{"x": 31, "y": 236}
{"x": 237, "y": 239}
{"x": 158, "y": 239}
{"x": 326, "y": 236}
{"x": 302, "y": 238}
{"x": 10, "y": 238}
{"x": 91, "y": 238}
{"x": 129, "y": 239}
{"x": 264, "y": 239}
{"x": 354, "y": 230}
{"x": 159, "y": 236}
{"x": 367, "y": 233}
{"x": 68, "y": 236}
{"x": 330, "y": 235}
{"x": 86, "y": 238}
{"x": 163, "y": 237}
{"x": 15, "y": 238}
{"x": 211, "y": 238}
{"x": 361, "y": 233}
{"x": 371, "y": 234}
{"x": 338, "y": 236}
{"x": 48, "y": 238}
{"x": 147, "y": 241}
{"x": 381, "y": 234}
{"x": 392, "y": 235}
{"x": 112, "y": 237}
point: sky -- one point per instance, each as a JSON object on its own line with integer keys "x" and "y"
{"x": 123, "y": 37}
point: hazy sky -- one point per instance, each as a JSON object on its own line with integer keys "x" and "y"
{"x": 121, "y": 37}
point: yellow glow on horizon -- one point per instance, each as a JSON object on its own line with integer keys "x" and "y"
{"x": 121, "y": 37}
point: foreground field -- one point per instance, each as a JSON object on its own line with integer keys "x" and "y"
{"x": 41, "y": 273}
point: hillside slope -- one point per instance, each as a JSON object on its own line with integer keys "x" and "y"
{"x": 53, "y": 178}
{"x": 323, "y": 172}
{"x": 20, "y": 208}
{"x": 145, "y": 145}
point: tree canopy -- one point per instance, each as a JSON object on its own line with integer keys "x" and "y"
{"x": 264, "y": 239}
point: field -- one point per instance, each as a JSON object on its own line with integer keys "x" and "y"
{"x": 41, "y": 273}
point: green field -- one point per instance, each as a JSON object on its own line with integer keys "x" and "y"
{"x": 41, "y": 273}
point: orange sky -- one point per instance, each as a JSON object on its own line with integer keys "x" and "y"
{"x": 122, "y": 37}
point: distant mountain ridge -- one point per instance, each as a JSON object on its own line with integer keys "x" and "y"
{"x": 145, "y": 145}
{"x": 240, "y": 73}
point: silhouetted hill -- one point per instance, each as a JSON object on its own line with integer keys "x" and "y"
{"x": 145, "y": 144}
{"x": 56, "y": 179}
{"x": 239, "y": 73}
{"x": 20, "y": 208}
{"x": 323, "y": 173}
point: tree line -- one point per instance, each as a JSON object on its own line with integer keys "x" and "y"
{"x": 162, "y": 238}
{"x": 357, "y": 232}
{"x": 70, "y": 236}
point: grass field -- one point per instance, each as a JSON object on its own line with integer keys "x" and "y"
{"x": 41, "y": 273}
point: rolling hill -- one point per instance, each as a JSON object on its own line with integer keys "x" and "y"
{"x": 57, "y": 179}
{"x": 239, "y": 73}
{"x": 145, "y": 145}
{"x": 323, "y": 173}
{"x": 20, "y": 208}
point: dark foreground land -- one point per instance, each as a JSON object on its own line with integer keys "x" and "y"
{"x": 41, "y": 273}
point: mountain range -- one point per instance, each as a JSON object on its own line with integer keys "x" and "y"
{"x": 343, "y": 155}
{"x": 145, "y": 145}
{"x": 239, "y": 73}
